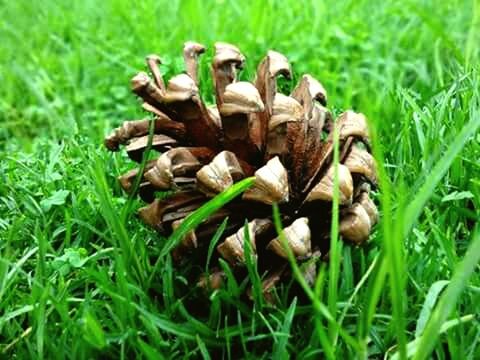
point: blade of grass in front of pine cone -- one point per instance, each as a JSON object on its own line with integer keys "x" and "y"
{"x": 394, "y": 262}
{"x": 168, "y": 292}
{"x": 233, "y": 287}
{"x": 334, "y": 251}
{"x": 203, "y": 349}
{"x": 279, "y": 350}
{"x": 251, "y": 264}
{"x": 318, "y": 306}
{"x": 198, "y": 216}
{"x": 216, "y": 237}
{"x": 241, "y": 334}
{"x": 202, "y": 213}
{"x": 227, "y": 337}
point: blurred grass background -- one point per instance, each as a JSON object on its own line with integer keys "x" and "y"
{"x": 412, "y": 67}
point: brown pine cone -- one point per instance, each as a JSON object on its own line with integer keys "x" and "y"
{"x": 286, "y": 142}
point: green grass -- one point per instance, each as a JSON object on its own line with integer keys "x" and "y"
{"x": 81, "y": 277}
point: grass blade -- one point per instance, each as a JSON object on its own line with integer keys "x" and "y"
{"x": 430, "y": 301}
{"x": 251, "y": 264}
{"x": 413, "y": 345}
{"x": 280, "y": 347}
{"x": 335, "y": 246}
{"x": 203, "y": 348}
{"x": 199, "y": 215}
{"x": 216, "y": 237}
{"x": 449, "y": 298}
{"x": 196, "y": 218}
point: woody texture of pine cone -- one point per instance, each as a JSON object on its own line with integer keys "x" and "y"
{"x": 285, "y": 141}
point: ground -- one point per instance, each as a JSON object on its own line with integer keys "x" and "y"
{"x": 77, "y": 269}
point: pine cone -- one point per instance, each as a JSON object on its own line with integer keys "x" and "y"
{"x": 286, "y": 142}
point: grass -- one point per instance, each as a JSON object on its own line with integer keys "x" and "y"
{"x": 81, "y": 277}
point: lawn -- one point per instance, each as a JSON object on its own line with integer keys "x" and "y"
{"x": 81, "y": 277}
